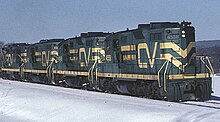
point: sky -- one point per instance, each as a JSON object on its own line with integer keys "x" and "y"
{"x": 33, "y": 20}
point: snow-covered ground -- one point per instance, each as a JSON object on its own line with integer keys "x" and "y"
{"x": 26, "y": 102}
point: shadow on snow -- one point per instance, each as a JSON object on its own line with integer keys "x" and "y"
{"x": 217, "y": 98}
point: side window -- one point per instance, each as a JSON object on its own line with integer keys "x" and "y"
{"x": 32, "y": 53}
{"x": 79, "y": 41}
{"x": 89, "y": 42}
{"x": 155, "y": 36}
{"x": 124, "y": 39}
{"x": 18, "y": 51}
{"x": 71, "y": 44}
{"x": 138, "y": 35}
{"x": 117, "y": 51}
{"x": 44, "y": 58}
{"x": 107, "y": 44}
{"x": 115, "y": 44}
{"x": 65, "y": 48}
{"x": 18, "y": 60}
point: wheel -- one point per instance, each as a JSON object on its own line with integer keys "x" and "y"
{"x": 200, "y": 92}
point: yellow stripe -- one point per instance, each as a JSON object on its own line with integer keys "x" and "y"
{"x": 128, "y": 48}
{"x": 10, "y": 70}
{"x": 35, "y": 71}
{"x": 82, "y": 64}
{"x": 23, "y": 54}
{"x": 111, "y": 75}
{"x": 73, "y": 51}
{"x": 129, "y": 57}
{"x": 174, "y": 60}
{"x": 73, "y": 58}
{"x": 38, "y": 59}
{"x": 37, "y": 53}
{"x": 189, "y": 76}
{"x": 153, "y": 77}
{"x": 96, "y": 49}
{"x": 128, "y": 76}
{"x": 71, "y": 73}
{"x": 54, "y": 53}
{"x": 178, "y": 49}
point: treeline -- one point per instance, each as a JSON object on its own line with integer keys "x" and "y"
{"x": 213, "y": 51}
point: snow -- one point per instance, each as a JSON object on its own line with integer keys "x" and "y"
{"x": 27, "y": 102}
{"x": 216, "y": 86}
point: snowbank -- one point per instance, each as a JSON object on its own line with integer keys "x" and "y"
{"x": 27, "y": 102}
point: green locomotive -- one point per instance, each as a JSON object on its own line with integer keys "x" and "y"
{"x": 77, "y": 57}
{"x": 156, "y": 60}
{"x": 15, "y": 57}
{"x": 42, "y": 58}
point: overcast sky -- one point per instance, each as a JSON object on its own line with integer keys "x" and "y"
{"x": 32, "y": 20}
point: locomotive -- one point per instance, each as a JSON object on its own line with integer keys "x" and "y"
{"x": 156, "y": 60}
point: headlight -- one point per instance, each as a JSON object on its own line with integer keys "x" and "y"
{"x": 183, "y": 35}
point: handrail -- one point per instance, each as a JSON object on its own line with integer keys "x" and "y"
{"x": 202, "y": 60}
{"x": 210, "y": 68}
{"x": 164, "y": 75}
{"x": 21, "y": 67}
{"x": 96, "y": 76}
{"x": 48, "y": 70}
{"x": 210, "y": 64}
{"x": 158, "y": 74}
{"x": 90, "y": 72}
{"x": 48, "y": 67}
{"x": 165, "y": 87}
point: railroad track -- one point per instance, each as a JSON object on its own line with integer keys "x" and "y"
{"x": 207, "y": 104}
{"x": 216, "y": 103}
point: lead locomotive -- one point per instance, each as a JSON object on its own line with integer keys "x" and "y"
{"x": 156, "y": 60}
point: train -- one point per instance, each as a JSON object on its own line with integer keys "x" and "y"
{"x": 156, "y": 60}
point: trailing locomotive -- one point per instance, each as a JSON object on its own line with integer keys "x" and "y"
{"x": 156, "y": 60}
{"x": 15, "y": 57}
{"x": 42, "y": 57}
{"x": 77, "y": 57}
